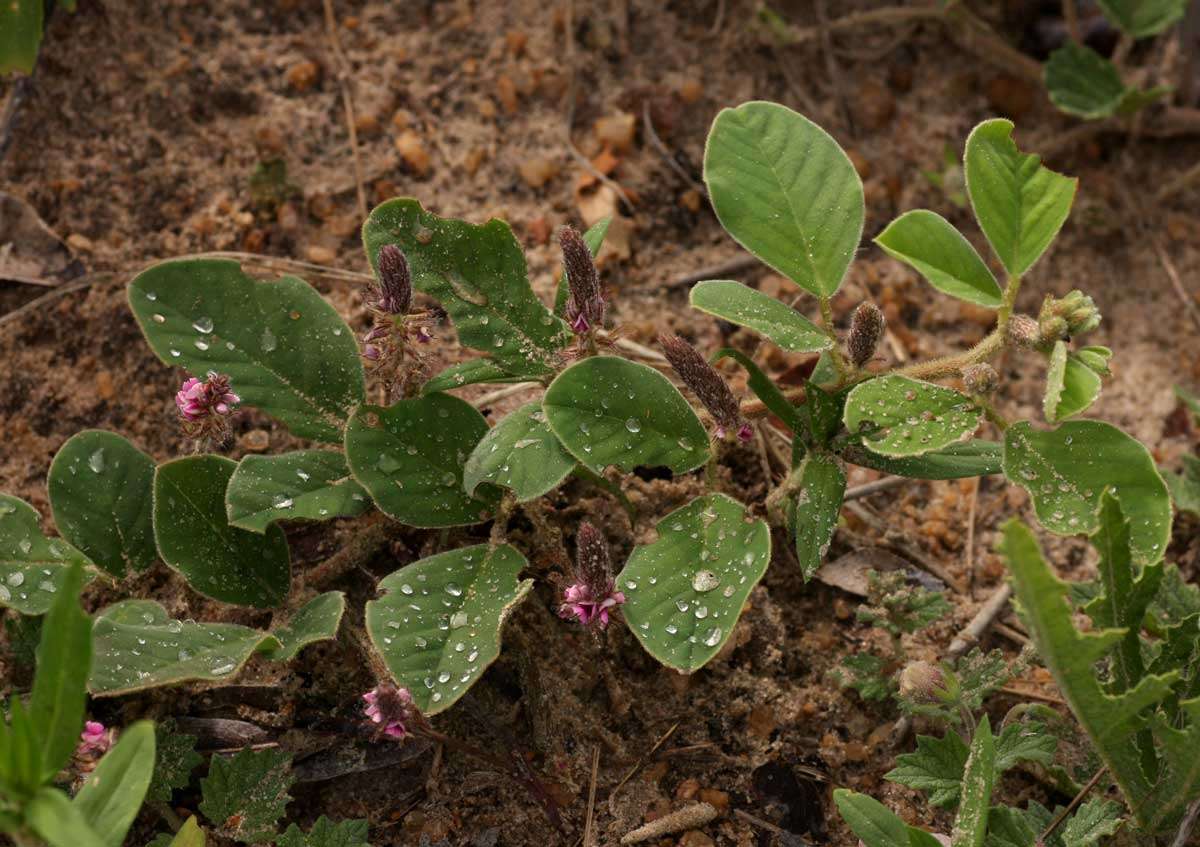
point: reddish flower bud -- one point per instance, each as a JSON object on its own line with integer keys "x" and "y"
{"x": 393, "y": 293}
{"x": 585, "y": 306}
{"x": 922, "y": 682}
{"x": 866, "y": 329}
{"x": 198, "y": 400}
{"x": 707, "y": 384}
{"x": 391, "y": 708}
{"x": 592, "y": 595}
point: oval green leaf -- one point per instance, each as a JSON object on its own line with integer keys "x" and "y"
{"x": 195, "y": 538}
{"x": 285, "y": 349}
{"x": 1073, "y": 381}
{"x": 101, "y": 492}
{"x": 1141, "y": 18}
{"x": 521, "y": 453}
{"x": 317, "y": 620}
{"x": 470, "y": 372}
{"x": 785, "y": 190}
{"x": 311, "y": 485}
{"x": 437, "y": 625}
{"x": 1065, "y": 470}
{"x": 906, "y": 417}
{"x": 112, "y": 795}
{"x": 1019, "y": 204}
{"x": 610, "y": 411}
{"x": 1082, "y": 82}
{"x": 931, "y": 245}
{"x": 478, "y": 275}
{"x": 813, "y": 505}
{"x": 745, "y": 306}
{"x": 685, "y": 591}
{"x": 32, "y": 566}
{"x": 409, "y": 456}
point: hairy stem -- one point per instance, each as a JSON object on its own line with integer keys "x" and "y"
{"x": 839, "y": 361}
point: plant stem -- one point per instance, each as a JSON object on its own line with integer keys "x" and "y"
{"x": 1004, "y": 314}
{"x": 947, "y": 365}
{"x": 839, "y": 362}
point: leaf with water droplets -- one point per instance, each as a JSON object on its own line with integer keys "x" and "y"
{"x": 785, "y": 190}
{"x": 32, "y": 566}
{"x": 311, "y": 485}
{"x": 409, "y": 456}
{"x": 1073, "y": 380}
{"x": 610, "y": 411}
{"x": 195, "y": 538}
{"x": 470, "y": 372}
{"x": 1065, "y": 470}
{"x": 245, "y": 795}
{"x": 812, "y": 507}
{"x": 748, "y": 307}
{"x": 520, "y": 453}
{"x": 929, "y": 243}
{"x": 437, "y": 624}
{"x": 899, "y": 416}
{"x": 958, "y": 461}
{"x": 684, "y": 592}
{"x": 316, "y": 620}
{"x": 478, "y": 275}
{"x": 101, "y": 493}
{"x": 285, "y": 349}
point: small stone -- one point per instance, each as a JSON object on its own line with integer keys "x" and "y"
{"x": 690, "y": 91}
{"x": 719, "y": 800}
{"x": 691, "y": 200}
{"x": 538, "y": 170}
{"x": 78, "y": 241}
{"x": 412, "y": 151}
{"x": 474, "y": 158}
{"x": 855, "y": 751}
{"x": 506, "y": 93}
{"x": 695, "y": 838}
{"x": 515, "y": 40}
{"x": 687, "y": 790}
{"x": 366, "y": 125}
{"x": 303, "y": 75}
{"x": 104, "y": 385}
{"x": 255, "y": 441}
{"x": 874, "y": 106}
{"x": 616, "y": 131}
{"x": 762, "y": 721}
{"x": 1009, "y": 96}
{"x": 539, "y": 230}
{"x": 320, "y": 255}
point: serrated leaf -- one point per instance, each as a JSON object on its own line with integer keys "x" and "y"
{"x": 899, "y": 416}
{"x": 302, "y": 485}
{"x": 1141, "y": 18}
{"x": 745, "y": 306}
{"x": 470, "y": 372}
{"x": 32, "y": 566}
{"x": 867, "y": 674}
{"x": 64, "y": 658}
{"x": 317, "y": 620}
{"x": 610, "y": 411}
{"x": 594, "y": 239}
{"x": 478, "y": 275}
{"x": 521, "y": 453}
{"x": 812, "y": 507}
{"x": 175, "y": 759}
{"x": 326, "y": 833}
{"x": 437, "y": 623}
{"x": 786, "y": 191}
{"x": 685, "y": 591}
{"x": 194, "y": 536}
{"x": 112, "y": 794}
{"x": 973, "y": 458}
{"x": 138, "y": 645}
{"x": 979, "y": 775}
{"x": 1024, "y": 742}
{"x": 245, "y": 795}
{"x": 764, "y": 389}
{"x": 284, "y": 348}
{"x": 1082, "y": 82}
{"x": 936, "y": 767}
{"x": 1072, "y": 381}
{"x": 929, "y": 243}
{"x": 1066, "y": 469}
{"x": 1096, "y": 818}
{"x": 1012, "y": 827}
{"x": 56, "y": 820}
{"x": 101, "y": 493}
{"x": 409, "y": 457}
{"x": 1019, "y": 204}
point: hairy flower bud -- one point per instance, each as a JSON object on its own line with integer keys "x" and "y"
{"x": 393, "y": 293}
{"x": 585, "y": 306}
{"x": 1062, "y": 317}
{"x": 980, "y": 379}
{"x": 391, "y": 708}
{"x": 592, "y": 594}
{"x": 198, "y": 400}
{"x": 866, "y": 329}
{"x": 1023, "y": 332}
{"x": 707, "y": 384}
{"x": 922, "y": 682}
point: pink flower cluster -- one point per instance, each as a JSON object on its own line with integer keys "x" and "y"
{"x": 389, "y": 706}
{"x": 198, "y": 400}
{"x": 580, "y": 603}
{"x": 94, "y": 741}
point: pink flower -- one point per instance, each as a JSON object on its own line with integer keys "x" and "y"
{"x": 389, "y": 707}
{"x": 198, "y": 400}
{"x": 581, "y": 604}
{"x": 94, "y": 741}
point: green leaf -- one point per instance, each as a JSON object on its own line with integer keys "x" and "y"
{"x": 175, "y": 759}
{"x": 785, "y": 190}
{"x": 970, "y": 824}
{"x": 822, "y": 412}
{"x": 470, "y": 372}
{"x": 685, "y": 591}
{"x": 936, "y": 767}
{"x": 21, "y": 757}
{"x": 973, "y": 458}
{"x": 594, "y": 239}
{"x": 478, "y": 275}
{"x": 139, "y": 646}
{"x": 437, "y": 624}
{"x": 867, "y": 674}
{"x": 112, "y": 795}
{"x": 316, "y": 620}
{"x": 1012, "y": 827}
{"x": 1096, "y": 818}
{"x": 409, "y": 456}
{"x": 326, "y": 833}
{"x": 1072, "y": 381}
{"x": 285, "y": 349}
{"x": 306, "y": 484}
{"x": 1019, "y": 204}
{"x": 745, "y": 306}
{"x": 245, "y": 795}
{"x": 1066, "y": 469}
{"x": 930, "y": 244}
{"x": 610, "y": 411}
{"x": 812, "y": 507}
{"x": 20, "y": 35}
{"x": 899, "y": 416}
{"x": 64, "y": 658}
{"x": 189, "y": 835}
{"x": 1082, "y": 82}
{"x": 101, "y": 492}
{"x": 195, "y": 538}
{"x": 1141, "y": 18}
{"x": 1024, "y": 742}
{"x": 764, "y": 389}
{"x": 1185, "y": 486}
{"x": 522, "y": 454}
{"x": 56, "y": 820}
{"x": 32, "y": 567}
{"x": 877, "y": 825}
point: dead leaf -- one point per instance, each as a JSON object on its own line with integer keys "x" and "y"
{"x": 30, "y": 251}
